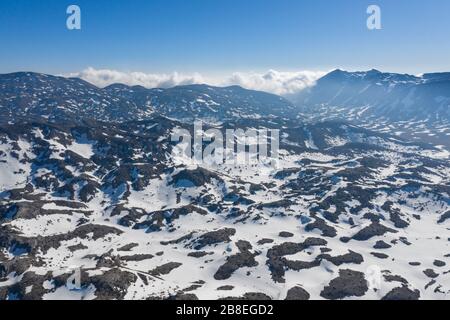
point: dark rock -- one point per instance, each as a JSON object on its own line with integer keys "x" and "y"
{"x": 128, "y": 247}
{"x": 198, "y": 254}
{"x": 402, "y": 293}
{"x": 382, "y": 245}
{"x": 276, "y": 204}
{"x": 297, "y": 293}
{"x": 379, "y": 255}
{"x": 430, "y": 273}
{"x": 320, "y": 224}
{"x": 225, "y": 288}
{"x": 277, "y": 264}
{"x": 395, "y": 278}
{"x": 264, "y": 241}
{"x": 404, "y": 240}
{"x": 197, "y": 177}
{"x": 251, "y": 296}
{"x": 429, "y": 284}
{"x": 184, "y": 297}
{"x": 77, "y": 247}
{"x": 444, "y": 217}
{"x": 350, "y": 257}
{"x": 165, "y": 268}
{"x": 439, "y": 263}
{"x": 137, "y": 257}
{"x": 349, "y": 284}
{"x": 214, "y": 237}
{"x": 373, "y": 230}
{"x": 113, "y": 284}
{"x": 179, "y": 240}
{"x": 285, "y": 234}
{"x": 395, "y": 215}
{"x": 243, "y": 259}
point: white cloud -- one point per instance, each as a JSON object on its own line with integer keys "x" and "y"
{"x": 276, "y": 81}
{"x": 105, "y": 77}
{"x": 272, "y": 81}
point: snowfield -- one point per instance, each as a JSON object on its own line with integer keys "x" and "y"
{"x": 96, "y": 203}
{"x": 329, "y": 222}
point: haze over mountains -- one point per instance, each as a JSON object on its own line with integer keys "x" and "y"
{"x": 388, "y": 95}
{"x": 88, "y": 179}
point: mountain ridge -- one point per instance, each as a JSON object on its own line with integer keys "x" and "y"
{"x": 389, "y": 95}
{"x": 59, "y": 98}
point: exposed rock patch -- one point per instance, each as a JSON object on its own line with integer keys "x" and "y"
{"x": 349, "y": 284}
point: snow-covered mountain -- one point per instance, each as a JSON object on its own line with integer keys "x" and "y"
{"x": 413, "y": 107}
{"x": 69, "y": 99}
{"x": 88, "y": 182}
{"x": 388, "y": 95}
{"x": 207, "y": 102}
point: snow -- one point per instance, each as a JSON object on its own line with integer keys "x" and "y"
{"x": 83, "y": 147}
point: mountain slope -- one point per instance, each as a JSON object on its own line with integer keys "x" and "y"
{"x": 388, "y": 95}
{"x": 343, "y": 206}
{"x": 206, "y": 102}
{"x": 411, "y": 107}
{"x": 67, "y": 99}
{"x": 29, "y": 94}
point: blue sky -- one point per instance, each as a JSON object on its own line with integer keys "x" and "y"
{"x": 218, "y": 37}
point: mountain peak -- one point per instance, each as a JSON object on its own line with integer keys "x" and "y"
{"x": 373, "y": 71}
{"x": 437, "y": 76}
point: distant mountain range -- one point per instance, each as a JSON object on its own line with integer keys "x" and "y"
{"x": 58, "y": 98}
{"x": 414, "y": 108}
{"x": 388, "y": 95}
{"x": 371, "y": 94}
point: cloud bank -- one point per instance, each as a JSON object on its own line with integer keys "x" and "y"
{"x": 105, "y": 77}
{"x": 278, "y": 82}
